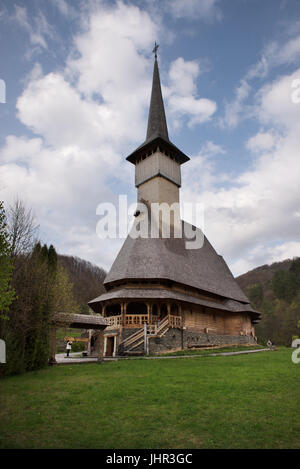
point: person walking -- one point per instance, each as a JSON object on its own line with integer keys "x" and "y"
{"x": 69, "y": 347}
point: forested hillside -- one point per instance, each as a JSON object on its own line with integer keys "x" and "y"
{"x": 87, "y": 279}
{"x": 275, "y": 291}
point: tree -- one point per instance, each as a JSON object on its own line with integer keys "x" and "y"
{"x": 43, "y": 288}
{"x": 283, "y": 285}
{"x": 256, "y": 294}
{"x": 7, "y": 293}
{"x": 22, "y": 229}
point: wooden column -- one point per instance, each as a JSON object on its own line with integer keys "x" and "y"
{"x": 123, "y": 312}
{"x": 180, "y": 313}
{"x": 101, "y": 343}
{"x": 169, "y": 311}
{"x": 89, "y": 342}
{"x": 52, "y": 360}
{"x": 148, "y": 313}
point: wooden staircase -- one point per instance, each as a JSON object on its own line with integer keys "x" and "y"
{"x": 138, "y": 338}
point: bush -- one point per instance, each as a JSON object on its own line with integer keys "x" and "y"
{"x": 78, "y": 346}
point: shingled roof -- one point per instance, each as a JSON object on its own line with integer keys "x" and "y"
{"x": 168, "y": 258}
{"x": 161, "y": 294}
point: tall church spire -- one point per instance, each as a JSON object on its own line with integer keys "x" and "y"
{"x": 157, "y": 124}
{"x": 157, "y": 138}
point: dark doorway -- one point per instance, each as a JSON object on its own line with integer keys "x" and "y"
{"x": 113, "y": 310}
{"x": 136, "y": 308}
{"x": 109, "y": 346}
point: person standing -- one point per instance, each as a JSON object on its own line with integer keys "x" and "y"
{"x": 69, "y": 347}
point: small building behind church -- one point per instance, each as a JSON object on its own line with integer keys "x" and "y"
{"x": 161, "y": 296}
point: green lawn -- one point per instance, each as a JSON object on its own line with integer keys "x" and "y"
{"x": 62, "y": 332}
{"x": 244, "y": 401}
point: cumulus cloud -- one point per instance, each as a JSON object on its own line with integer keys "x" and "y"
{"x": 258, "y": 213}
{"x": 261, "y": 141}
{"x": 84, "y": 119}
{"x": 275, "y": 54}
{"x": 182, "y": 94}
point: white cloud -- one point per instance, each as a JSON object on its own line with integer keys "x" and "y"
{"x": 261, "y": 141}
{"x": 234, "y": 108}
{"x": 275, "y": 54}
{"x": 276, "y": 104}
{"x": 262, "y": 255}
{"x": 207, "y": 10}
{"x": 64, "y": 7}
{"x": 182, "y": 94}
{"x": 84, "y": 120}
{"x": 260, "y": 207}
{"x": 37, "y": 28}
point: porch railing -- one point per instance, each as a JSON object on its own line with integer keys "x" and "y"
{"x": 138, "y": 320}
{"x": 114, "y": 321}
{"x": 135, "y": 320}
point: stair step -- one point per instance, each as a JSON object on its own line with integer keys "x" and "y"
{"x": 136, "y": 345}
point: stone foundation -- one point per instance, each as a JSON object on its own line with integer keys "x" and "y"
{"x": 176, "y": 339}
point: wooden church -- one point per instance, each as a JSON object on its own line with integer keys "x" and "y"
{"x": 161, "y": 296}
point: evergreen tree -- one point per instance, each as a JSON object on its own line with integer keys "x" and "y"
{"x": 256, "y": 294}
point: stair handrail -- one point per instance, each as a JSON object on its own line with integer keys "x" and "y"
{"x": 133, "y": 337}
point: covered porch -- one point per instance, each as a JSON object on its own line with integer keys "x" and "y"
{"x": 77, "y": 321}
{"x": 136, "y": 314}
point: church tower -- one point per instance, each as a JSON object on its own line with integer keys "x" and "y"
{"x": 157, "y": 161}
{"x": 159, "y": 294}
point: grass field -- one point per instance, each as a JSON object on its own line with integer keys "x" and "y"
{"x": 244, "y": 401}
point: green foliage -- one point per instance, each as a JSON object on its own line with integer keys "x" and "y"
{"x": 84, "y": 309}
{"x": 279, "y": 301}
{"x": 256, "y": 294}
{"x": 282, "y": 285}
{"x": 286, "y": 284}
{"x": 42, "y": 288}
{"x": 78, "y": 346}
{"x": 7, "y": 293}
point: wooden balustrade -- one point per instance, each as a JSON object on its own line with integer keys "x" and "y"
{"x": 138, "y": 320}
{"x": 175, "y": 321}
{"x": 114, "y": 321}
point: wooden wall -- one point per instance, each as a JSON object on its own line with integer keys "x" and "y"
{"x": 219, "y": 322}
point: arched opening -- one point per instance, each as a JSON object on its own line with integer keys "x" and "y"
{"x": 174, "y": 309}
{"x": 113, "y": 310}
{"x": 136, "y": 308}
{"x": 155, "y": 310}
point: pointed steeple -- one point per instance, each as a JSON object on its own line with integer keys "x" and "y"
{"x": 157, "y": 131}
{"x": 157, "y": 123}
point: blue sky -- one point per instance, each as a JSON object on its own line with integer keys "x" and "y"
{"x": 78, "y": 82}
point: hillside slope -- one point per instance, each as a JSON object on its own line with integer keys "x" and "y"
{"x": 87, "y": 279}
{"x": 263, "y": 275}
{"x": 275, "y": 291}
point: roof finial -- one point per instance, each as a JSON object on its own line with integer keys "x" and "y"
{"x": 156, "y": 46}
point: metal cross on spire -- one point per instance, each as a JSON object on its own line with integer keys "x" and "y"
{"x": 156, "y": 46}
